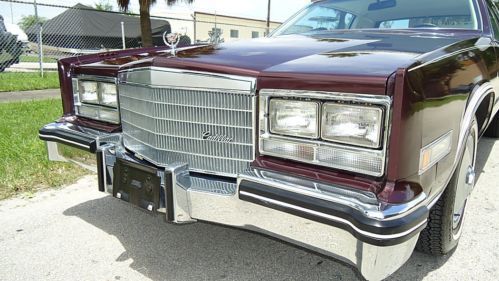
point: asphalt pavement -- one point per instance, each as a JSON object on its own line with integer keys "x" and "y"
{"x": 77, "y": 233}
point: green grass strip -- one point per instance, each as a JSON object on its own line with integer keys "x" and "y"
{"x": 25, "y": 81}
{"x": 24, "y": 167}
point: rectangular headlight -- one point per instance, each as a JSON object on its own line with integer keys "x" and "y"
{"x": 337, "y": 130}
{"x": 96, "y": 98}
{"x": 352, "y": 124}
{"x": 294, "y": 118}
{"x": 89, "y": 92}
{"x": 108, "y": 94}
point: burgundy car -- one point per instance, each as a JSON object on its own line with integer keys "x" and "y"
{"x": 351, "y": 130}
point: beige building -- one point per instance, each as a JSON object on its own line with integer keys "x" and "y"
{"x": 208, "y": 26}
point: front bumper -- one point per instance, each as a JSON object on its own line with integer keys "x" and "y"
{"x": 336, "y": 221}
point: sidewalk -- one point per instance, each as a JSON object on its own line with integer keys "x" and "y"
{"x": 29, "y": 95}
{"x": 32, "y": 66}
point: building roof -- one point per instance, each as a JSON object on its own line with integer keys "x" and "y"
{"x": 85, "y": 21}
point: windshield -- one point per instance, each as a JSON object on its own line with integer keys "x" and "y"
{"x": 382, "y": 14}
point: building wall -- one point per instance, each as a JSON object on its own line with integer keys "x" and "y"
{"x": 232, "y": 28}
{"x": 181, "y": 23}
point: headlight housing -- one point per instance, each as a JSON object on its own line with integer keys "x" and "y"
{"x": 294, "y": 118}
{"x": 337, "y": 130}
{"x": 96, "y": 98}
{"x": 352, "y": 124}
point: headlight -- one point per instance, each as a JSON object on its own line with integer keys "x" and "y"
{"x": 89, "y": 92}
{"x": 294, "y": 118}
{"x": 109, "y": 95}
{"x": 96, "y": 99}
{"x": 336, "y": 130}
{"x": 352, "y": 124}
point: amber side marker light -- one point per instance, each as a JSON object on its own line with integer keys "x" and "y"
{"x": 434, "y": 152}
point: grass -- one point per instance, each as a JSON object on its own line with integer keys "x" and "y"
{"x": 24, "y": 167}
{"x": 26, "y": 81}
{"x": 25, "y": 58}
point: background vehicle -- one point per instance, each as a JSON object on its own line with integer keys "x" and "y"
{"x": 352, "y": 130}
{"x": 10, "y": 48}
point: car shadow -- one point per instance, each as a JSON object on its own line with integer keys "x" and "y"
{"x": 202, "y": 251}
{"x": 485, "y": 146}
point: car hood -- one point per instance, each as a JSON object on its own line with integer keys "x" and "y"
{"x": 362, "y": 53}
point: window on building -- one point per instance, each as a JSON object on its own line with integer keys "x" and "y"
{"x": 234, "y": 33}
{"x": 255, "y": 34}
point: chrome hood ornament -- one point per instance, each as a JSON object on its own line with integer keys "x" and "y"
{"x": 171, "y": 40}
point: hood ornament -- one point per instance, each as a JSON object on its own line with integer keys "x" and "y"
{"x": 171, "y": 40}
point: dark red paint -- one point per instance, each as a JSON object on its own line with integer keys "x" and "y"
{"x": 429, "y": 73}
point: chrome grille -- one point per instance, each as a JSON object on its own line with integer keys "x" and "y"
{"x": 165, "y": 124}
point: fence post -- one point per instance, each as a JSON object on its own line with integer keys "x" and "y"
{"x": 39, "y": 39}
{"x": 123, "y": 35}
{"x": 195, "y": 28}
{"x": 268, "y": 18}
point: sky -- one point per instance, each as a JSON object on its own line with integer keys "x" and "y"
{"x": 280, "y": 9}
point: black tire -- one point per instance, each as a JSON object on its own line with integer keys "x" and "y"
{"x": 493, "y": 130}
{"x": 444, "y": 228}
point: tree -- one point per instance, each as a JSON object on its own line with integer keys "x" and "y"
{"x": 145, "y": 16}
{"x": 28, "y": 21}
{"x": 104, "y": 5}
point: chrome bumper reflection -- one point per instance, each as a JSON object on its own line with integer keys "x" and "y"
{"x": 65, "y": 153}
{"x": 196, "y": 197}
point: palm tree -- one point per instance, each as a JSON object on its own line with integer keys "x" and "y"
{"x": 145, "y": 16}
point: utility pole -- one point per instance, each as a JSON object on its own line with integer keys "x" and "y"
{"x": 39, "y": 37}
{"x": 11, "y": 13}
{"x": 268, "y": 18}
{"x": 123, "y": 43}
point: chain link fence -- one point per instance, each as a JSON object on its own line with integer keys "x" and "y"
{"x": 33, "y": 36}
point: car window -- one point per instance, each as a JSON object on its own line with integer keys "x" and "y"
{"x": 327, "y": 15}
{"x": 494, "y": 18}
{"x": 420, "y": 22}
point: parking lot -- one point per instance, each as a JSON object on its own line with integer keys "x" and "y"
{"x": 77, "y": 233}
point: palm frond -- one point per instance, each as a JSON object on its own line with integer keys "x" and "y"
{"x": 173, "y": 2}
{"x": 123, "y": 5}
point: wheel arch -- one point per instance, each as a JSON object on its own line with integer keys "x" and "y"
{"x": 479, "y": 99}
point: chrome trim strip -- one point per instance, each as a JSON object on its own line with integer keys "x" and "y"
{"x": 97, "y": 78}
{"x": 335, "y": 96}
{"x": 440, "y": 58}
{"x": 64, "y": 140}
{"x": 367, "y": 207}
{"x": 336, "y": 219}
{"x": 202, "y": 80}
{"x": 365, "y": 202}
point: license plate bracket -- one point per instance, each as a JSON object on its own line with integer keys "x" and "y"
{"x": 137, "y": 184}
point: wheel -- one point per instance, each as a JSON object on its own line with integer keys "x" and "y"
{"x": 445, "y": 222}
{"x": 493, "y": 130}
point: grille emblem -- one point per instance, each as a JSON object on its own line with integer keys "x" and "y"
{"x": 207, "y": 135}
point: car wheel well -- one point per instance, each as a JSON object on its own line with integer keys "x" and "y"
{"x": 483, "y": 113}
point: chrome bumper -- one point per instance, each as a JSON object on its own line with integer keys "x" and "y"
{"x": 336, "y": 221}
